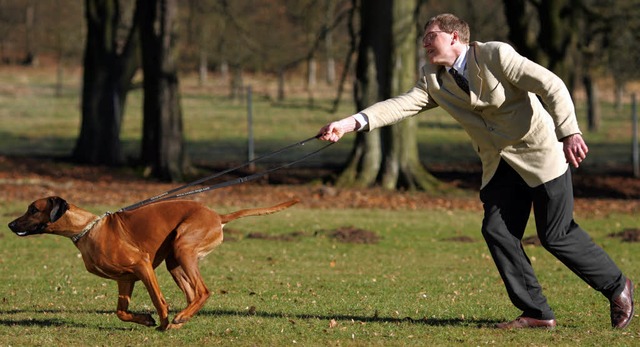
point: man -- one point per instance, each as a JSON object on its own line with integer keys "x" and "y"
{"x": 524, "y": 148}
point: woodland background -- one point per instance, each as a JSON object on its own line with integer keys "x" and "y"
{"x": 340, "y": 49}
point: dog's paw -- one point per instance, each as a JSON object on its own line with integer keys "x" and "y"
{"x": 174, "y": 326}
{"x": 180, "y": 319}
{"x": 169, "y": 327}
{"x": 147, "y": 320}
{"x": 143, "y": 319}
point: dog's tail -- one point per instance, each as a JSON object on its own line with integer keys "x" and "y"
{"x": 257, "y": 211}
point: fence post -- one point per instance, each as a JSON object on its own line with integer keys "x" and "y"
{"x": 250, "y": 144}
{"x": 634, "y": 141}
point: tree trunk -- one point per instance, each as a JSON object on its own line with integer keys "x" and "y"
{"x": 408, "y": 172}
{"x": 328, "y": 43}
{"x": 224, "y": 70}
{"x": 519, "y": 21}
{"x": 619, "y": 94}
{"x": 312, "y": 73}
{"x": 60, "y": 56}
{"x": 30, "y": 57}
{"x": 106, "y": 79}
{"x": 203, "y": 68}
{"x": 556, "y": 42}
{"x": 558, "y": 37}
{"x": 236, "y": 84}
{"x": 386, "y": 66}
{"x": 593, "y": 103}
{"x": 366, "y": 156}
{"x": 281, "y": 73}
{"x": 162, "y": 141}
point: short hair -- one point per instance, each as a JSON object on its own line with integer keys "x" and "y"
{"x": 450, "y": 23}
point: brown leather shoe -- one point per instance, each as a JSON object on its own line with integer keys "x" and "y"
{"x": 526, "y": 322}
{"x": 622, "y": 307}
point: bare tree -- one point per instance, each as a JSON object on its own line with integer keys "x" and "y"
{"x": 621, "y": 32}
{"x": 557, "y": 44}
{"x": 31, "y": 57}
{"x": 578, "y": 38}
{"x": 63, "y": 37}
{"x": 556, "y": 40}
{"x": 328, "y": 43}
{"x": 109, "y": 66}
{"x": 387, "y": 66}
{"x": 162, "y": 140}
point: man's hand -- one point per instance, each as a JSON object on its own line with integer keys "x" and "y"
{"x": 335, "y": 130}
{"x": 575, "y": 150}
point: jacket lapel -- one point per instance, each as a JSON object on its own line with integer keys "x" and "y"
{"x": 473, "y": 71}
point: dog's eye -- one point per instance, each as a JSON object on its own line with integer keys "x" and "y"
{"x": 33, "y": 210}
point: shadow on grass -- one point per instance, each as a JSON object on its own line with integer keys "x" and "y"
{"x": 480, "y": 323}
{"x": 44, "y": 323}
{"x": 53, "y": 322}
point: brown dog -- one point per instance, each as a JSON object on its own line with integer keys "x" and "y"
{"x": 128, "y": 246}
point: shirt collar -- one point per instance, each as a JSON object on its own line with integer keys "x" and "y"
{"x": 461, "y": 62}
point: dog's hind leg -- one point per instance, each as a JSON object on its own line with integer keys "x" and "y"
{"x": 125, "y": 288}
{"x": 180, "y": 278}
{"x": 187, "y": 275}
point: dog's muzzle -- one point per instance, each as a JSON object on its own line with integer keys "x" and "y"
{"x": 38, "y": 229}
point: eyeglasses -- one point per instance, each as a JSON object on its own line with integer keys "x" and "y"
{"x": 430, "y": 36}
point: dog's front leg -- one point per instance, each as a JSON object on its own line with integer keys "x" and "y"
{"x": 125, "y": 288}
{"x": 146, "y": 274}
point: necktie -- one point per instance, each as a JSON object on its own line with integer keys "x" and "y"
{"x": 460, "y": 80}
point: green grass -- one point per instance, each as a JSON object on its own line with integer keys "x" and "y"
{"x": 414, "y": 287}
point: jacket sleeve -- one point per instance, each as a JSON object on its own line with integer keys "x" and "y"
{"x": 397, "y": 108}
{"x": 536, "y": 79}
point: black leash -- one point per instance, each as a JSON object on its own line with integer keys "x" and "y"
{"x": 173, "y": 193}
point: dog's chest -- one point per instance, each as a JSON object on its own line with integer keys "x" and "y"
{"x": 107, "y": 267}
{"x": 110, "y": 272}
{"x": 97, "y": 270}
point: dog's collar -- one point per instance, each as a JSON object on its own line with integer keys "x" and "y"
{"x": 77, "y": 237}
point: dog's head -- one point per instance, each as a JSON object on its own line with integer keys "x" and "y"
{"x": 40, "y": 214}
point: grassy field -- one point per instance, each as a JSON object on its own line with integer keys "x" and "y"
{"x": 419, "y": 285}
{"x": 429, "y": 281}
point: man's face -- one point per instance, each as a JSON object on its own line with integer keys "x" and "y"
{"x": 439, "y": 45}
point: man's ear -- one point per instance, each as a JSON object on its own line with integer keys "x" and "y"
{"x": 58, "y": 207}
{"x": 455, "y": 37}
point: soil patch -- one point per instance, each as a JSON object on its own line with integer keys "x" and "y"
{"x": 627, "y": 235}
{"x": 531, "y": 241}
{"x": 347, "y": 234}
{"x": 462, "y": 239}
{"x": 350, "y": 234}
{"x": 286, "y": 237}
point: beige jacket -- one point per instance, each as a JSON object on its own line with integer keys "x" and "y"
{"x": 503, "y": 116}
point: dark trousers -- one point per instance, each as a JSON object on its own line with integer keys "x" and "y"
{"x": 507, "y": 202}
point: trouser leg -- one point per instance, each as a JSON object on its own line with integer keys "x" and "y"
{"x": 507, "y": 204}
{"x": 562, "y": 237}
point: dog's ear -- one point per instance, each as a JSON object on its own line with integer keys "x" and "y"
{"x": 58, "y": 207}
